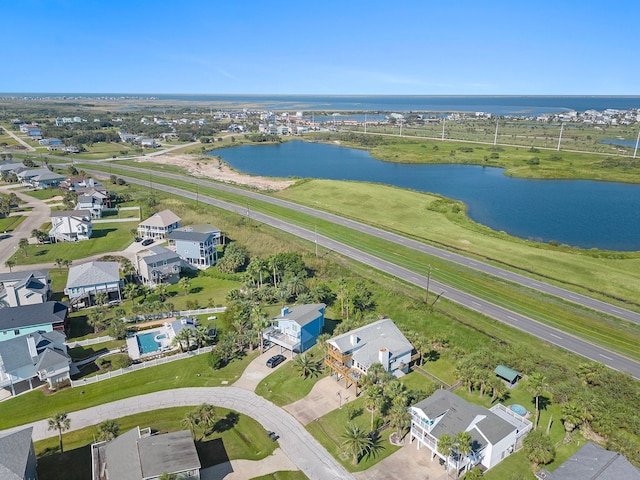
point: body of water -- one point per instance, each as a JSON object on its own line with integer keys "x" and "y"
{"x": 580, "y": 213}
{"x": 496, "y": 104}
{"x": 619, "y": 142}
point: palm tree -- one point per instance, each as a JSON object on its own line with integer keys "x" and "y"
{"x": 100, "y": 298}
{"x": 190, "y": 421}
{"x": 95, "y": 319}
{"x": 355, "y": 442}
{"x": 397, "y": 392}
{"x": 130, "y": 291}
{"x": 10, "y": 264}
{"x": 206, "y": 417}
{"x": 399, "y": 418}
{"x": 201, "y": 335}
{"x": 67, "y": 263}
{"x": 498, "y": 389}
{"x": 538, "y": 448}
{"x": 446, "y": 446}
{"x": 375, "y": 395}
{"x": 24, "y": 244}
{"x": 60, "y": 422}
{"x": 161, "y": 290}
{"x": 307, "y": 365}
{"x": 108, "y": 430}
{"x": 536, "y": 385}
{"x": 58, "y": 262}
{"x": 185, "y": 284}
{"x": 260, "y": 322}
{"x": 572, "y": 418}
{"x": 462, "y": 442}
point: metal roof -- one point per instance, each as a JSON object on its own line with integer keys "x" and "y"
{"x": 15, "y": 449}
{"x": 302, "y": 314}
{"x": 36, "y": 314}
{"x": 161, "y": 219}
{"x": 93, "y": 273}
{"x": 592, "y": 462}
{"x": 506, "y": 373}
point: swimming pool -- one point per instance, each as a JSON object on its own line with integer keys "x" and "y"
{"x": 519, "y": 409}
{"x": 147, "y": 343}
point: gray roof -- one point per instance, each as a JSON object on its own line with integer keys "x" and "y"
{"x": 592, "y": 462}
{"x": 30, "y": 173}
{"x": 48, "y": 176}
{"x": 160, "y": 254}
{"x": 51, "y": 359}
{"x": 190, "y": 236}
{"x": 93, "y": 273}
{"x": 459, "y": 416}
{"x": 170, "y": 452}
{"x": 7, "y": 167}
{"x": 123, "y": 452}
{"x": 14, "y": 454}
{"x": 370, "y": 339}
{"x": 161, "y": 219}
{"x": 37, "y": 314}
{"x": 135, "y": 458}
{"x": 17, "y": 276}
{"x": 303, "y": 314}
{"x": 201, "y": 228}
{"x": 71, "y": 213}
{"x": 15, "y": 352}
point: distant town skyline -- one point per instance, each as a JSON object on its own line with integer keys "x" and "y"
{"x": 367, "y": 48}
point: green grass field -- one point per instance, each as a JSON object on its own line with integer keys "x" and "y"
{"x": 45, "y": 194}
{"x": 8, "y": 224}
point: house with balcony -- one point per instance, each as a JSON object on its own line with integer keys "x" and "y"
{"x": 98, "y": 192}
{"x": 32, "y": 359}
{"x": 39, "y": 317}
{"x": 140, "y": 455}
{"x": 86, "y": 281}
{"x": 495, "y": 433}
{"x": 196, "y": 245}
{"x": 17, "y": 456}
{"x": 159, "y": 225}
{"x": 71, "y": 226}
{"x": 296, "y": 328}
{"x": 350, "y": 355}
{"x": 39, "y": 178}
{"x": 24, "y": 288}
{"x": 159, "y": 265}
{"x": 91, "y": 204}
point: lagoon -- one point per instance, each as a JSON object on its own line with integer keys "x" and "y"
{"x": 581, "y": 213}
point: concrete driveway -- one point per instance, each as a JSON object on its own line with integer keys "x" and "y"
{"x": 257, "y": 370}
{"x": 408, "y": 463}
{"x": 322, "y": 399}
{"x": 243, "y": 469}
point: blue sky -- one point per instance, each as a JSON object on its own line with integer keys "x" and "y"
{"x": 422, "y": 47}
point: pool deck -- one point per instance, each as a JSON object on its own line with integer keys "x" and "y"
{"x": 134, "y": 349}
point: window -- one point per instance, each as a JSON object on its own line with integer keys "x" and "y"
{"x": 16, "y": 331}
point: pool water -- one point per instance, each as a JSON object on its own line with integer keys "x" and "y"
{"x": 147, "y": 343}
{"x": 519, "y": 409}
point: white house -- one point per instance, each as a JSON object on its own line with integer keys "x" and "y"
{"x": 89, "y": 279}
{"x": 159, "y": 265}
{"x": 71, "y": 225}
{"x": 495, "y": 433}
{"x": 24, "y": 288}
{"x": 41, "y": 355}
{"x": 159, "y": 225}
{"x": 90, "y": 203}
{"x": 350, "y": 355}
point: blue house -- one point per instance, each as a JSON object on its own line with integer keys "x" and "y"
{"x": 27, "y": 319}
{"x": 196, "y": 244}
{"x": 296, "y": 328}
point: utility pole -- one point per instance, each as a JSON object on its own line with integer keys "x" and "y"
{"x": 197, "y": 195}
{"x": 635, "y": 150}
{"x": 248, "y": 212}
{"x": 316, "y": 239}
{"x": 560, "y": 137}
{"x": 426, "y": 300}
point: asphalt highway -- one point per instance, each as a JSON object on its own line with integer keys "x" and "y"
{"x": 521, "y": 322}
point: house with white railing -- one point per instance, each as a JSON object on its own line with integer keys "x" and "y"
{"x": 71, "y": 225}
{"x": 159, "y": 225}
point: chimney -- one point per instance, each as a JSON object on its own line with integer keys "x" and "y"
{"x": 383, "y": 357}
{"x": 354, "y": 339}
{"x": 31, "y": 343}
{"x": 285, "y": 311}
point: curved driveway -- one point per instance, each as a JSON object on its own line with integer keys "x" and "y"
{"x": 521, "y": 322}
{"x": 298, "y": 444}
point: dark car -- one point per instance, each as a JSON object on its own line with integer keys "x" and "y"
{"x": 138, "y": 239}
{"x": 146, "y": 242}
{"x": 276, "y": 360}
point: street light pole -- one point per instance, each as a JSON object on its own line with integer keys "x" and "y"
{"x": 428, "y": 279}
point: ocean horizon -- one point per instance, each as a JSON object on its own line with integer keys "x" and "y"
{"x": 495, "y": 104}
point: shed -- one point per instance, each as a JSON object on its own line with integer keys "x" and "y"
{"x": 507, "y": 374}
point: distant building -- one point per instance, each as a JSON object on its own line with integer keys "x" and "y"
{"x": 159, "y": 265}
{"x": 139, "y": 455}
{"x": 92, "y": 204}
{"x": 17, "y": 456}
{"x": 159, "y": 225}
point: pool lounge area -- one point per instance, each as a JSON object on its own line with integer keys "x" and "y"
{"x": 157, "y": 340}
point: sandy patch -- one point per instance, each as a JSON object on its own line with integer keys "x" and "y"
{"x": 210, "y": 167}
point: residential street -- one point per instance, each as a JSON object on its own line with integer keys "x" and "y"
{"x": 298, "y": 444}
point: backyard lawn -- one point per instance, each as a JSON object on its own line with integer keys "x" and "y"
{"x": 7, "y": 224}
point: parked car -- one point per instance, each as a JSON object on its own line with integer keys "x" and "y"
{"x": 276, "y": 360}
{"x": 138, "y": 239}
{"x": 146, "y": 242}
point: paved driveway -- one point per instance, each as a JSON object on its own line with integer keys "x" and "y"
{"x": 322, "y": 399}
{"x": 257, "y": 370}
{"x": 298, "y": 444}
{"x": 408, "y": 463}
